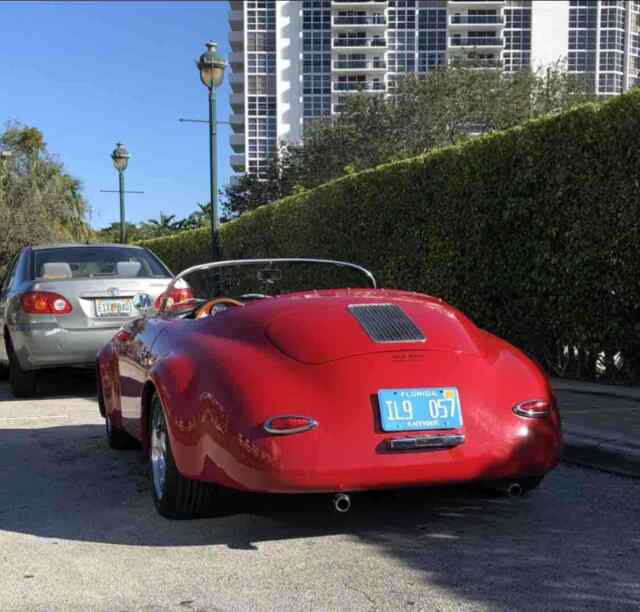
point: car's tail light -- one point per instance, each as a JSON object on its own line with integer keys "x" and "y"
{"x": 289, "y": 424}
{"x": 44, "y": 302}
{"x": 533, "y": 409}
{"x": 175, "y": 296}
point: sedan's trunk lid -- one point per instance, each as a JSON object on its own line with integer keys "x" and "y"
{"x": 91, "y": 299}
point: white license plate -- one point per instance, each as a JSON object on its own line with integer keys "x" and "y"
{"x": 114, "y": 308}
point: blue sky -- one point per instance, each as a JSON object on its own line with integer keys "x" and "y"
{"x": 89, "y": 74}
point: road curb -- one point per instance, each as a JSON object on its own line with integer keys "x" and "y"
{"x": 587, "y": 451}
{"x": 587, "y": 388}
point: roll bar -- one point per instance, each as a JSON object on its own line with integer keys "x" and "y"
{"x": 269, "y": 261}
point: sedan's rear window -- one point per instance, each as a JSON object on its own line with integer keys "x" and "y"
{"x": 96, "y": 262}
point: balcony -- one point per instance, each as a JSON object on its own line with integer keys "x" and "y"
{"x": 237, "y": 122}
{"x": 236, "y": 20}
{"x": 237, "y": 102}
{"x": 237, "y": 163}
{"x": 359, "y": 20}
{"x": 475, "y": 42}
{"x": 478, "y": 22}
{"x": 354, "y": 86}
{"x": 343, "y": 4}
{"x": 236, "y": 58}
{"x": 237, "y": 142}
{"x": 236, "y": 79}
{"x": 359, "y": 65}
{"x": 359, "y": 43}
{"x": 474, "y": 4}
{"x": 236, "y": 40}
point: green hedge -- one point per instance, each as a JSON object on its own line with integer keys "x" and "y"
{"x": 533, "y": 232}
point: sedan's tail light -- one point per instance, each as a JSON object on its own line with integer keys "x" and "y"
{"x": 289, "y": 424}
{"x": 175, "y": 296}
{"x": 533, "y": 409}
{"x": 44, "y": 302}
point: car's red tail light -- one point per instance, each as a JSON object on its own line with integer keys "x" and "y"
{"x": 289, "y": 424}
{"x": 44, "y": 302}
{"x": 175, "y": 296}
{"x": 533, "y": 409}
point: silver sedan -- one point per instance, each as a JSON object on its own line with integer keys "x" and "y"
{"x": 60, "y": 303}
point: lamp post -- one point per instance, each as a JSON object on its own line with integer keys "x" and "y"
{"x": 120, "y": 157}
{"x": 211, "y": 67}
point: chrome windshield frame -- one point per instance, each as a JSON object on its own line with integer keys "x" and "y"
{"x": 267, "y": 261}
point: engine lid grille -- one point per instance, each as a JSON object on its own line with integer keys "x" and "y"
{"x": 386, "y": 323}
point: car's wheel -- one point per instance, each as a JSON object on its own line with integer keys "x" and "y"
{"x": 175, "y": 497}
{"x": 530, "y": 483}
{"x": 4, "y": 371}
{"x": 117, "y": 438}
{"x": 22, "y": 382}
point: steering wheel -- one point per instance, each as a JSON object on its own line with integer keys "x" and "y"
{"x": 205, "y": 309}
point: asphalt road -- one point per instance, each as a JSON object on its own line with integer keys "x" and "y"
{"x": 78, "y": 532}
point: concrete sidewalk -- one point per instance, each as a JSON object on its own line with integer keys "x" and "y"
{"x": 601, "y": 425}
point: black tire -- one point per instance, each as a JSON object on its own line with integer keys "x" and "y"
{"x": 23, "y": 383}
{"x": 117, "y": 438}
{"x": 530, "y": 483}
{"x": 174, "y": 496}
{"x": 4, "y": 371}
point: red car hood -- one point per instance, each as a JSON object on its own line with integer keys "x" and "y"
{"x": 319, "y": 328}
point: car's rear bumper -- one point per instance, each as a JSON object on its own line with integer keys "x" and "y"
{"x": 49, "y": 346}
{"x": 533, "y": 453}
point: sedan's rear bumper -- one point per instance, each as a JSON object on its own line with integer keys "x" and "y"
{"x": 49, "y": 346}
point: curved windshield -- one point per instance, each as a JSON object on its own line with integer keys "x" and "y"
{"x": 245, "y": 280}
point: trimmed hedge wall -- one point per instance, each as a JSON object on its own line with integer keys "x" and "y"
{"x": 533, "y": 232}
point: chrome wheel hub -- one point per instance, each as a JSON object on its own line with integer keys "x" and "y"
{"x": 158, "y": 452}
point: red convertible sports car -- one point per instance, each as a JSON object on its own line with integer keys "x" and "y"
{"x": 251, "y": 375}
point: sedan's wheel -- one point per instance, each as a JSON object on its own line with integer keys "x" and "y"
{"x": 174, "y": 495}
{"x": 22, "y": 382}
{"x": 4, "y": 370}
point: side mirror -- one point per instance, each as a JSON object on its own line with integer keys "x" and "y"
{"x": 143, "y": 303}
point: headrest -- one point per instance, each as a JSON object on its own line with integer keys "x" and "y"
{"x": 128, "y": 269}
{"x": 55, "y": 270}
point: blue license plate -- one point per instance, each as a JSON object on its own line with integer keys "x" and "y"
{"x": 419, "y": 409}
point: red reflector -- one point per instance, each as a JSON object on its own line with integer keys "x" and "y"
{"x": 533, "y": 409}
{"x": 288, "y": 424}
{"x": 44, "y": 302}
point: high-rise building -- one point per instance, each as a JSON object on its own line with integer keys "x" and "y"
{"x": 294, "y": 60}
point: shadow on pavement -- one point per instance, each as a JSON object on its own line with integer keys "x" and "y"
{"x": 64, "y": 483}
{"x": 59, "y": 384}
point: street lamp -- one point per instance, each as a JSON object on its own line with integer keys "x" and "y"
{"x": 211, "y": 67}
{"x": 120, "y": 157}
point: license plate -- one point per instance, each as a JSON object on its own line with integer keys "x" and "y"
{"x": 113, "y": 308}
{"x": 419, "y": 409}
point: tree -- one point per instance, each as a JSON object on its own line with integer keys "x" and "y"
{"x": 442, "y": 107}
{"x": 39, "y": 201}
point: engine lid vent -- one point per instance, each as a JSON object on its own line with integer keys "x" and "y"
{"x": 386, "y": 323}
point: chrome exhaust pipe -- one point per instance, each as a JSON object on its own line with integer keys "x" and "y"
{"x": 510, "y": 488}
{"x": 341, "y": 502}
{"x": 514, "y": 489}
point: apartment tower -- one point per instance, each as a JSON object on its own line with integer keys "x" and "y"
{"x": 294, "y": 60}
